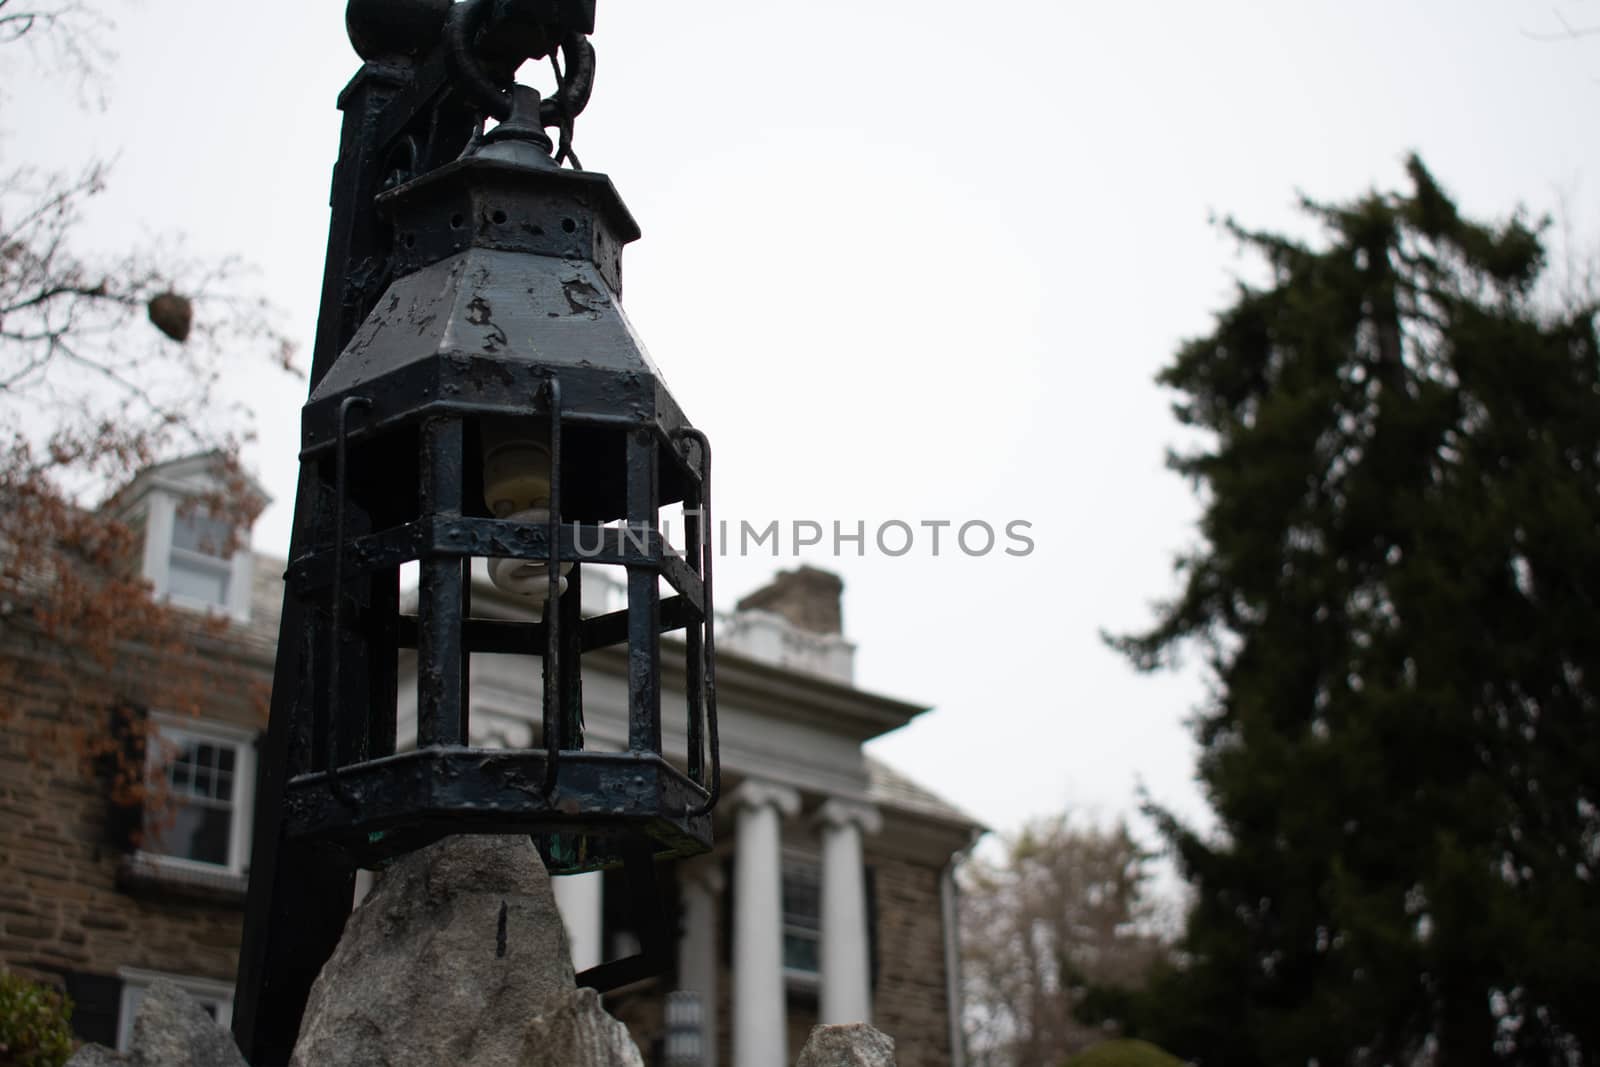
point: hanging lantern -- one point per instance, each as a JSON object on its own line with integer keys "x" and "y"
{"x": 494, "y": 404}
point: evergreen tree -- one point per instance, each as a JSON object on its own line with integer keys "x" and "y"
{"x": 1396, "y": 594}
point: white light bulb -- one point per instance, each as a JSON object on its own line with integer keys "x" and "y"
{"x": 516, "y": 486}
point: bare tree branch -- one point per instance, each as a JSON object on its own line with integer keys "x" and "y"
{"x": 65, "y": 37}
{"x": 1568, "y": 31}
{"x": 1064, "y": 909}
{"x": 90, "y": 393}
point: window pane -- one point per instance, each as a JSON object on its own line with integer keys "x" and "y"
{"x": 802, "y": 901}
{"x": 197, "y": 580}
{"x": 800, "y": 953}
{"x": 195, "y": 832}
{"x": 202, "y": 534}
{"x": 191, "y": 773}
{"x": 802, "y": 917}
{"x": 196, "y": 822}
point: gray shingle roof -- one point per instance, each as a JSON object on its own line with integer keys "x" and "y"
{"x": 890, "y": 788}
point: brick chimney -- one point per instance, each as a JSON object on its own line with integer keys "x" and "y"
{"x": 808, "y": 598}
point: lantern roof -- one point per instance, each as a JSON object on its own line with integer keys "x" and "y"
{"x": 508, "y": 271}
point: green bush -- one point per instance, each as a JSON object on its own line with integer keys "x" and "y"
{"x": 1123, "y": 1054}
{"x": 33, "y": 1024}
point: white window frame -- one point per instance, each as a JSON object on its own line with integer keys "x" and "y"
{"x": 160, "y": 524}
{"x": 136, "y": 980}
{"x": 244, "y": 786}
{"x": 794, "y": 978}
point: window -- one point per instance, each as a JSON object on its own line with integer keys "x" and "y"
{"x": 215, "y": 997}
{"x": 200, "y": 568}
{"x": 202, "y": 777}
{"x": 802, "y": 920}
{"x": 191, "y": 557}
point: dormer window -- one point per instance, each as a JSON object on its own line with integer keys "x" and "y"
{"x": 200, "y": 568}
{"x": 192, "y": 556}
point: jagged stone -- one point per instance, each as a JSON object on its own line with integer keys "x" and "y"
{"x": 173, "y": 1030}
{"x": 847, "y": 1045}
{"x": 170, "y": 1030}
{"x": 579, "y": 1032}
{"x": 458, "y": 956}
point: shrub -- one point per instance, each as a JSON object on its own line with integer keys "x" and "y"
{"x": 33, "y": 1024}
{"x": 1123, "y": 1053}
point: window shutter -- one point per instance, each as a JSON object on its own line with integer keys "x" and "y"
{"x": 96, "y": 1001}
{"x": 124, "y": 771}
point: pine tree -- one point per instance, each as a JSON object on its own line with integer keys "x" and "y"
{"x": 1397, "y": 593}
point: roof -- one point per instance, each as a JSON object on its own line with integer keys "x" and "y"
{"x": 890, "y": 788}
{"x": 187, "y": 474}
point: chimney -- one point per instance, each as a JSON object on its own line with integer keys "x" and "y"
{"x": 808, "y": 598}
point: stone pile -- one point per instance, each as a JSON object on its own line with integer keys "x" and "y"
{"x": 458, "y": 956}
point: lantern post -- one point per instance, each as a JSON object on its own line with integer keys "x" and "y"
{"x": 476, "y": 393}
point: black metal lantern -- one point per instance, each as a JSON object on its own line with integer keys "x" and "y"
{"x": 492, "y": 403}
{"x": 496, "y": 404}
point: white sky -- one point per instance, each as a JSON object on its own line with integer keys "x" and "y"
{"x": 910, "y": 261}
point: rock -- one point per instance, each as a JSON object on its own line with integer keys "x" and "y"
{"x": 849, "y": 1045}
{"x": 579, "y": 1032}
{"x": 170, "y": 1030}
{"x": 458, "y": 956}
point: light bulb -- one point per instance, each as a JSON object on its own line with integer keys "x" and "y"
{"x": 516, "y": 486}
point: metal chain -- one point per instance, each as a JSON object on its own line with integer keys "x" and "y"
{"x": 465, "y": 20}
{"x": 574, "y": 82}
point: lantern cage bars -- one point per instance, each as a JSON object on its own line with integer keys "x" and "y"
{"x": 354, "y": 789}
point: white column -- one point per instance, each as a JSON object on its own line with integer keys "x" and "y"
{"x": 846, "y": 964}
{"x": 578, "y": 898}
{"x": 760, "y": 1037}
{"x": 702, "y": 885}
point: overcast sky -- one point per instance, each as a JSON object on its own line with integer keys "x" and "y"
{"x": 906, "y": 262}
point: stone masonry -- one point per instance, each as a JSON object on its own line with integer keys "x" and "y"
{"x": 61, "y": 909}
{"x": 910, "y": 1001}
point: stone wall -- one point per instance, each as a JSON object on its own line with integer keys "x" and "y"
{"x": 62, "y": 912}
{"x": 910, "y": 1002}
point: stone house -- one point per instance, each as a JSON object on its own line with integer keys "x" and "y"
{"x": 88, "y": 894}
{"x": 829, "y": 897}
{"x": 830, "y": 894}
